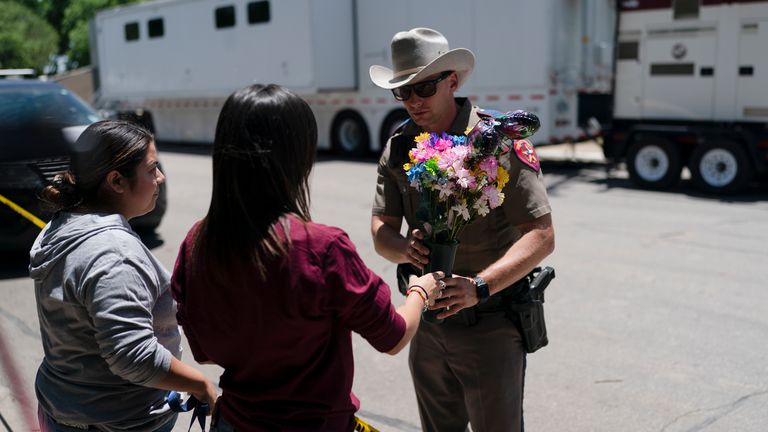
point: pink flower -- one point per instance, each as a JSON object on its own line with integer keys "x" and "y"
{"x": 421, "y": 153}
{"x": 465, "y": 178}
{"x": 460, "y": 152}
{"x": 446, "y": 161}
{"x": 443, "y": 144}
{"x": 494, "y": 197}
{"x": 490, "y": 166}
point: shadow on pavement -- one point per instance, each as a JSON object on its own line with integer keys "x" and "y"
{"x": 755, "y": 192}
{"x": 612, "y": 177}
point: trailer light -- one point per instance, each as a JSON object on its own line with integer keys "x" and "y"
{"x": 619, "y": 136}
{"x": 687, "y": 139}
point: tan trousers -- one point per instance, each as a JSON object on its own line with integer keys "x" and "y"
{"x": 469, "y": 375}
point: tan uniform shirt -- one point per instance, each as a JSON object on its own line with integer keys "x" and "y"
{"x": 487, "y": 238}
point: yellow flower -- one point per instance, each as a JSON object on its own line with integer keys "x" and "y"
{"x": 407, "y": 166}
{"x": 469, "y": 128}
{"x": 502, "y": 177}
{"x": 424, "y": 136}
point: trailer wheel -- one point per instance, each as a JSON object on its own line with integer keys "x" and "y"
{"x": 349, "y": 134}
{"x": 391, "y": 122}
{"x": 720, "y": 167}
{"x": 653, "y": 162}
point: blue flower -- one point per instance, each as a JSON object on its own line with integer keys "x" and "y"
{"x": 415, "y": 171}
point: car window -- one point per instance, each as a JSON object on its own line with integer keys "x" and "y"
{"x": 53, "y": 106}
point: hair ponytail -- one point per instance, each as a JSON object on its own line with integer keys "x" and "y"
{"x": 62, "y": 193}
{"x": 104, "y": 146}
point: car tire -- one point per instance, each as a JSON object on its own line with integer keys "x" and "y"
{"x": 349, "y": 134}
{"x": 720, "y": 167}
{"x": 653, "y": 162}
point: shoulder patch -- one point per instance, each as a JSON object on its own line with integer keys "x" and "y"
{"x": 527, "y": 155}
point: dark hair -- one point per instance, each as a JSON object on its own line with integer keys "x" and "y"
{"x": 103, "y": 147}
{"x": 263, "y": 153}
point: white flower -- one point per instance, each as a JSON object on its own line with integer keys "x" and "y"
{"x": 446, "y": 190}
{"x": 482, "y": 208}
{"x": 462, "y": 210}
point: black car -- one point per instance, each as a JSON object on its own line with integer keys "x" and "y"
{"x": 39, "y": 123}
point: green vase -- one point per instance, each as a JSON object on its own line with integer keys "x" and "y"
{"x": 441, "y": 258}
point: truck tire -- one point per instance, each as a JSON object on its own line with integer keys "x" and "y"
{"x": 391, "y": 122}
{"x": 349, "y": 134}
{"x": 720, "y": 167}
{"x": 653, "y": 162}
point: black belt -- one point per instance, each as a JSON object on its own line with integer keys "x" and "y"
{"x": 497, "y": 303}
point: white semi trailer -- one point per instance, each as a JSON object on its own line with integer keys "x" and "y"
{"x": 179, "y": 59}
{"x": 691, "y": 90}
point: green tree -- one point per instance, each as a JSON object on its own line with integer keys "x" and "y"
{"x": 75, "y": 23}
{"x": 26, "y": 39}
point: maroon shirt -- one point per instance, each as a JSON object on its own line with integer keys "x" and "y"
{"x": 286, "y": 344}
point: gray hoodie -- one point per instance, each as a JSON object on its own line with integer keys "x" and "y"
{"x": 107, "y": 321}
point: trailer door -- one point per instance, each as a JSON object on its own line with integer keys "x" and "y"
{"x": 752, "y": 80}
{"x": 679, "y": 73}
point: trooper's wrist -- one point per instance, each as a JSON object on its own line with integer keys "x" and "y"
{"x": 482, "y": 290}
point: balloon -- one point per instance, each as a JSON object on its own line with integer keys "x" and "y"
{"x": 490, "y": 132}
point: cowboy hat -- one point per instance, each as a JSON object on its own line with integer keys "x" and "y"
{"x": 419, "y": 53}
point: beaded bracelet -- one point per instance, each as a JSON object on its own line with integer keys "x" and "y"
{"x": 418, "y": 289}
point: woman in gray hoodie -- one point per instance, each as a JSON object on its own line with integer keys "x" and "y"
{"x": 107, "y": 318}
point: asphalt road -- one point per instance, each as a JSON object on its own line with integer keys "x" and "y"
{"x": 657, "y": 317}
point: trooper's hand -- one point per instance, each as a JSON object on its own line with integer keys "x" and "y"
{"x": 459, "y": 293}
{"x": 416, "y": 252}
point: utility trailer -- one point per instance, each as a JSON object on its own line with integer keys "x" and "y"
{"x": 691, "y": 90}
{"x": 177, "y": 60}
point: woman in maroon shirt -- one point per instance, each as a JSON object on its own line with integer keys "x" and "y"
{"x": 271, "y": 296}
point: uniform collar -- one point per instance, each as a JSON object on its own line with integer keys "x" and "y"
{"x": 466, "y": 116}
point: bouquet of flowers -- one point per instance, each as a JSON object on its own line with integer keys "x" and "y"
{"x": 460, "y": 177}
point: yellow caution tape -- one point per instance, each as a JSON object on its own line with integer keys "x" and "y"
{"x": 361, "y": 426}
{"x": 18, "y": 209}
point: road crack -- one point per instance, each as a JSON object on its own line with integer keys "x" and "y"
{"x": 727, "y": 409}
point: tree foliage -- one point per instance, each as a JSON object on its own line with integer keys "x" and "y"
{"x": 70, "y": 18}
{"x": 75, "y": 23}
{"x": 26, "y": 39}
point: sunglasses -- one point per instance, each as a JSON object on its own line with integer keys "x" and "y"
{"x": 423, "y": 89}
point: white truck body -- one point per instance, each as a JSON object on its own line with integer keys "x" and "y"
{"x": 691, "y": 90}
{"x": 532, "y": 55}
{"x": 711, "y": 67}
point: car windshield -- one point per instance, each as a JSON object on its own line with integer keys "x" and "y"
{"x": 50, "y": 106}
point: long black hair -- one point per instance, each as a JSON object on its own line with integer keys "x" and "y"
{"x": 263, "y": 153}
